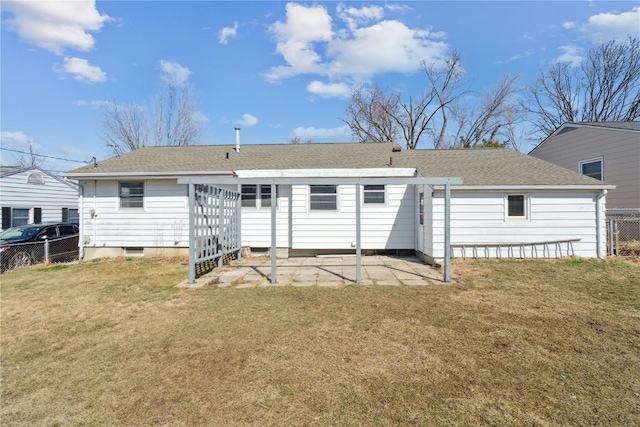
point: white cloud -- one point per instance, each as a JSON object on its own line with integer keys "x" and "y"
{"x": 81, "y": 70}
{"x": 386, "y": 47}
{"x": 355, "y": 17}
{"x": 247, "y": 120}
{"x": 295, "y": 38}
{"x": 613, "y": 25}
{"x": 173, "y": 73}
{"x": 16, "y": 140}
{"x": 55, "y": 25}
{"x": 571, "y": 54}
{"x": 228, "y": 32}
{"x": 329, "y": 90}
{"x": 94, "y": 105}
{"x": 199, "y": 117}
{"x": 527, "y": 53}
{"x": 608, "y": 26}
{"x": 339, "y": 134}
{"x": 309, "y": 44}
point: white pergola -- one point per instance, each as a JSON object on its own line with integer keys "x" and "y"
{"x": 274, "y": 180}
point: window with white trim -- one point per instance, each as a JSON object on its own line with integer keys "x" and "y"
{"x": 516, "y": 206}
{"x": 19, "y": 217}
{"x": 592, "y": 168}
{"x": 132, "y": 194}
{"x": 257, "y": 196}
{"x": 323, "y": 197}
{"x": 374, "y": 194}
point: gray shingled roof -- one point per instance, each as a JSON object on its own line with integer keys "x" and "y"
{"x": 475, "y": 166}
{"x": 611, "y": 125}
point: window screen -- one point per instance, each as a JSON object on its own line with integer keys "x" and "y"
{"x": 373, "y": 194}
{"x": 323, "y": 197}
{"x": 132, "y": 194}
{"x": 516, "y": 206}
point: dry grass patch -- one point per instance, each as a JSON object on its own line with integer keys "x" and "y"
{"x": 513, "y": 343}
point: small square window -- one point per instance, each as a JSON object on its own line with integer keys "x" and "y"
{"x": 592, "y": 168}
{"x": 516, "y": 206}
{"x": 374, "y": 194}
{"x": 323, "y": 197}
{"x": 132, "y": 194}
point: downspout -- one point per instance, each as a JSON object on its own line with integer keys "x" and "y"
{"x": 600, "y": 196}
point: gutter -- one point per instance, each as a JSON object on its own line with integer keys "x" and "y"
{"x": 146, "y": 175}
{"x": 528, "y": 187}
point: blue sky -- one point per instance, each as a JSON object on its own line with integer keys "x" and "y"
{"x": 275, "y": 69}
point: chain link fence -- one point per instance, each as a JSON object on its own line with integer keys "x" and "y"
{"x": 63, "y": 249}
{"x": 623, "y": 232}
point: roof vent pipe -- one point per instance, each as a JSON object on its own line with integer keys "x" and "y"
{"x": 237, "y": 140}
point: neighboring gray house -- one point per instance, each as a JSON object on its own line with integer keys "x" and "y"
{"x": 31, "y": 195}
{"x": 138, "y": 203}
{"x": 608, "y": 151}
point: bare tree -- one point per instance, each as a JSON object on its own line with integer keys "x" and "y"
{"x": 31, "y": 160}
{"x": 173, "y": 121}
{"x": 377, "y": 115}
{"x": 605, "y": 87}
{"x": 492, "y": 119}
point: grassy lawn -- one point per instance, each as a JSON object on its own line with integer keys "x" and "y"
{"x": 512, "y": 343}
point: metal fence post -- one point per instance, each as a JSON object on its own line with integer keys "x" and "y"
{"x": 46, "y": 249}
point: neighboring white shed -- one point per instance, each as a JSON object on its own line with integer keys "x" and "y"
{"x": 608, "y": 151}
{"x": 32, "y": 195}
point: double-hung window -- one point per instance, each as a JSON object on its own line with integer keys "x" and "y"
{"x": 592, "y": 168}
{"x": 132, "y": 194}
{"x": 256, "y": 196}
{"x": 323, "y": 197}
{"x": 19, "y": 217}
{"x": 374, "y": 194}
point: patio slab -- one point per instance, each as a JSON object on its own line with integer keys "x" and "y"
{"x": 321, "y": 271}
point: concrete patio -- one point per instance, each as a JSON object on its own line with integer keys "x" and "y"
{"x": 321, "y": 271}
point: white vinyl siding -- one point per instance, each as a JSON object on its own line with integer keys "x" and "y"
{"x": 16, "y": 192}
{"x": 390, "y": 226}
{"x": 479, "y": 217}
{"x": 164, "y": 221}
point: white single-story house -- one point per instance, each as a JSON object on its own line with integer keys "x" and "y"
{"x": 508, "y": 204}
{"x": 31, "y": 195}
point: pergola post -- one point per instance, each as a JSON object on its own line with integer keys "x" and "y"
{"x": 192, "y": 233}
{"x": 358, "y": 236}
{"x": 447, "y": 232}
{"x": 274, "y": 275}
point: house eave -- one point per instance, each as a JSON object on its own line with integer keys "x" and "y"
{"x": 146, "y": 175}
{"x": 528, "y": 187}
